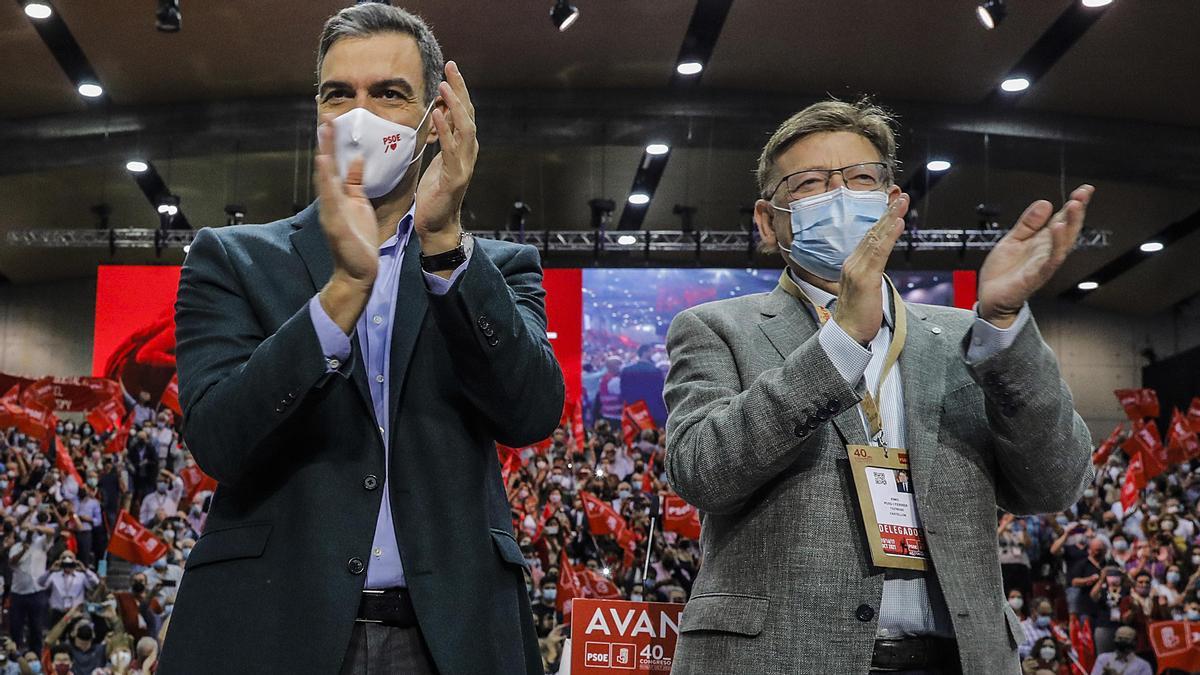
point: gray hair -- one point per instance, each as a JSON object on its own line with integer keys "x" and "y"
{"x": 372, "y": 18}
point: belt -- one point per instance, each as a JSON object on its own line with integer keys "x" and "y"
{"x": 389, "y": 607}
{"x": 915, "y": 653}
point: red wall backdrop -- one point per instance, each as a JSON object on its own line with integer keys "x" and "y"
{"x": 564, "y": 310}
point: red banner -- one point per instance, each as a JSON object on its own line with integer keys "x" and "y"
{"x": 577, "y": 432}
{"x": 1102, "y": 453}
{"x": 195, "y": 480}
{"x": 602, "y": 518}
{"x": 648, "y": 476}
{"x": 1146, "y": 442}
{"x": 616, "y": 636}
{"x": 1193, "y": 413}
{"x": 1176, "y": 645}
{"x": 1138, "y": 403}
{"x": 568, "y": 585}
{"x": 635, "y": 419}
{"x": 1182, "y": 443}
{"x": 680, "y": 516}
{"x": 62, "y": 459}
{"x": 596, "y": 585}
{"x": 170, "y": 397}
{"x": 1135, "y": 480}
{"x": 1081, "y": 640}
{"x": 70, "y": 394}
{"x": 135, "y": 543}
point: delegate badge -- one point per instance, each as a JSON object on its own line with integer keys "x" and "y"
{"x": 888, "y": 506}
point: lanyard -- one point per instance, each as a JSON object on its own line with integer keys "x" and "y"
{"x": 869, "y": 401}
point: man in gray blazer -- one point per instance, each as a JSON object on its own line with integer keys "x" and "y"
{"x": 767, "y": 391}
{"x": 345, "y": 374}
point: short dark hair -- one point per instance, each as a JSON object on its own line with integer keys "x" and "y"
{"x": 643, "y": 349}
{"x": 373, "y": 18}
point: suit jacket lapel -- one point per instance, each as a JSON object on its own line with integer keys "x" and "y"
{"x": 411, "y": 303}
{"x": 787, "y": 325}
{"x": 922, "y": 378}
{"x": 309, "y": 242}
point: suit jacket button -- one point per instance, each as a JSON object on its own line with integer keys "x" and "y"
{"x": 278, "y": 409}
{"x": 489, "y": 332}
{"x": 355, "y": 566}
{"x": 370, "y": 482}
{"x": 291, "y": 394}
{"x": 800, "y": 430}
{"x": 823, "y": 415}
{"x": 813, "y": 424}
{"x": 484, "y": 323}
{"x": 493, "y": 341}
{"x": 832, "y": 406}
{"x": 864, "y": 613}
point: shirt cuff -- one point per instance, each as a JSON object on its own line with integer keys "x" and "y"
{"x": 335, "y": 344}
{"x": 440, "y": 286}
{"x": 987, "y": 340}
{"x": 848, "y": 356}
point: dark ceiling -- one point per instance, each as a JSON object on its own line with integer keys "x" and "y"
{"x": 223, "y": 109}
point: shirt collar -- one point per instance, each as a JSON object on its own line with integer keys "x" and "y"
{"x": 823, "y": 298}
{"x": 403, "y": 228}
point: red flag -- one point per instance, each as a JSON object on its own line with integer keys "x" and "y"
{"x": 1193, "y": 413}
{"x": 635, "y": 419}
{"x": 680, "y": 516}
{"x": 1081, "y": 640}
{"x": 1135, "y": 480}
{"x": 1174, "y": 645}
{"x": 648, "y": 476}
{"x": 568, "y": 585}
{"x": 602, "y": 518}
{"x": 596, "y": 585}
{"x": 170, "y": 396}
{"x": 11, "y": 411}
{"x": 510, "y": 461}
{"x": 1102, "y": 453}
{"x": 62, "y": 459}
{"x": 1146, "y": 441}
{"x": 195, "y": 480}
{"x": 1138, "y": 403}
{"x": 627, "y": 539}
{"x": 107, "y": 415}
{"x": 135, "y": 543}
{"x": 1182, "y": 443}
{"x": 118, "y": 440}
{"x": 577, "y": 432}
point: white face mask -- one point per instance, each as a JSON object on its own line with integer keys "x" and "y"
{"x": 387, "y": 148}
{"x": 826, "y": 228}
{"x": 122, "y": 659}
{"x": 1047, "y": 653}
{"x": 1016, "y": 603}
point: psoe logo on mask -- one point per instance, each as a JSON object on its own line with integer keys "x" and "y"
{"x": 390, "y": 142}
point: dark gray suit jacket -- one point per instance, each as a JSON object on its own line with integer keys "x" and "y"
{"x": 759, "y": 423}
{"x": 273, "y": 584}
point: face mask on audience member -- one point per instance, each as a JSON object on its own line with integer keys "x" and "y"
{"x": 160, "y": 564}
{"x": 1047, "y": 653}
{"x": 162, "y": 488}
{"x": 549, "y": 594}
{"x": 1193, "y": 615}
{"x": 1016, "y": 603}
{"x": 169, "y": 535}
{"x": 551, "y": 530}
{"x": 122, "y": 658}
{"x": 1172, "y": 577}
{"x": 1043, "y": 621}
{"x": 1120, "y": 545}
{"x": 62, "y": 668}
{"x": 1089, "y": 493}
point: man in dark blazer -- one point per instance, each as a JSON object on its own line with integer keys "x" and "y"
{"x": 345, "y": 374}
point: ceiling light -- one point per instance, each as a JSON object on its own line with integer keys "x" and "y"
{"x": 136, "y": 166}
{"x": 1015, "y": 84}
{"x": 938, "y": 165}
{"x": 1096, "y": 3}
{"x": 1152, "y": 247}
{"x": 1088, "y": 285}
{"x": 689, "y": 68}
{"x": 168, "y": 19}
{"x": 639, "y": 198}
{"x": 91, "y": 90}
{"x": 169, "y": 205}
{"x": 563, "y": 14}
{"x": 38, "y": 10}
{"x": 627, "y": 240}
{"x": 657, "y": 149}
{"x": 991, "y": 13}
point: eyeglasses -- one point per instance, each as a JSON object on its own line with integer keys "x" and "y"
{"x": 864, "y": 176}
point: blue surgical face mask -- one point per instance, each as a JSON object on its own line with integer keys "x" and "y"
{"x": 1043, "y": 621}
{"x": 826, "y": 228}
{"x": 1193, "y": 615}
{"x": 1173, "y": 577}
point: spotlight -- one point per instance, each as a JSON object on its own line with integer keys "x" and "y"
{"x": 938, "y": 165}
{"x": 1014, "y": 84}
{"x": 136, "y": 166}
{"x": 689, "y": 68}
{"x": 656, "y": 149}
{"x": 1152, "y": 247}
{"x": 169, "y": 205}
{"x": 186, "y": 248}
{"x": 639, "y": 199}
{"x": 235, "y": 214}
{"x": 91, "y": 90}
{"x": 38, "y": 10}
{"x": 1096, "y": 3}
{"x": 168, "y": 19}
{"x": 1088, "y": 285}
{"x": 627, "y": 240}
{"x": 991, "y": 13}
{"x": 563, "y": 14}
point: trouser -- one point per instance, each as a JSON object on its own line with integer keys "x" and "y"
{"x": 376, "y": 649}
{"x": 28, "y": 611}
{"x": 83, "y": 538}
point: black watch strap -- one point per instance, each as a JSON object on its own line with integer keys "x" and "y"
{"x": 445, "y": 261}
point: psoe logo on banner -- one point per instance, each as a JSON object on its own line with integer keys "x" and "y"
{"x": 623, "y": 656}
{"x": 597, "y": 654}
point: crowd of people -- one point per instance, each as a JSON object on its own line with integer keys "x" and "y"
{"x": 69, "y": 607}
{"x": 1113, "y": 570}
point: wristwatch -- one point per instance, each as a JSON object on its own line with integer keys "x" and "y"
{"x": 449, "y": 260}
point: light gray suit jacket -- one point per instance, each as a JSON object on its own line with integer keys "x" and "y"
{"x": 757, "y": 432}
